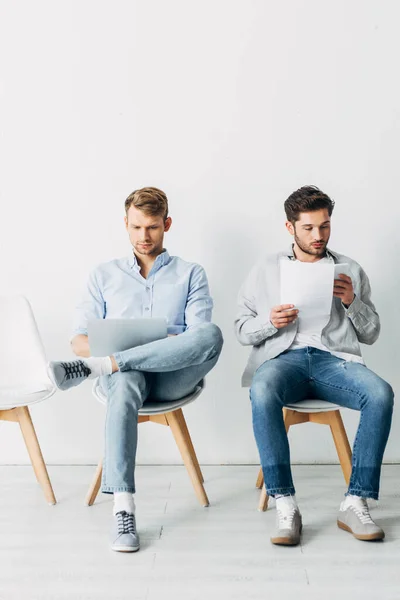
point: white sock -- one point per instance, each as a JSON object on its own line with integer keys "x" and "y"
{"x": 123, "y": 501}
{"x": 285, "y": 499}
{"x": 98, "y": 366}
{"x": 351, "y": 500}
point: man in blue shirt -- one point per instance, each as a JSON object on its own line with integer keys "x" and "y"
{"x": 149, "y": 283}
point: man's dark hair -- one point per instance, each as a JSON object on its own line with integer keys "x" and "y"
{"x": 306, "y": 199}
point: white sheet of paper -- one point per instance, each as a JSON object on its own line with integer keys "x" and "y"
{"x": 309, "y": 286}
{"x": 342, "y": 268}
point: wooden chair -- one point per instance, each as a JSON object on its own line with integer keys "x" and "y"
{"x": 324, "y": 413}
{"x": 167, "y": 413}
{"x": 23, "y": 377}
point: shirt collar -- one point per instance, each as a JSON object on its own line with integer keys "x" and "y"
{"x": 330, "y": 253}
{"x": 161, "y": 260}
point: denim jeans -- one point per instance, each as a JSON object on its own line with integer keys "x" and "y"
{"x": 166, "y": 369}
{"x": 308, "y": 373}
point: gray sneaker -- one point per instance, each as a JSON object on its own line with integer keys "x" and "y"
{"x": 288, "y": 522}
{"x": 354, "y": 517}
{"x": 68, "y": 374}
{"x": 125, "y": 537}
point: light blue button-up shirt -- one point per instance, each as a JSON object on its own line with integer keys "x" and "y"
{"x": 174, "y": 288}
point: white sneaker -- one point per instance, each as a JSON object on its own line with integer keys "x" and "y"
{"x": 288, "y": 522}
{"x": 354, "y": 517}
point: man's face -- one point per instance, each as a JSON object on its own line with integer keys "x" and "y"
{"x": 146, "y": 232}
{"x": 312, "y": 231}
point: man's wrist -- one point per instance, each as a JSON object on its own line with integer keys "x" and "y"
{"x": 347, "y": 306}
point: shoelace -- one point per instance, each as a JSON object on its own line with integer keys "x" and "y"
{"x": 285, "y": 516}
{"x": 362, "y": 511}
{"x": 126, "y": 522}
{"x": 77, "y": 368}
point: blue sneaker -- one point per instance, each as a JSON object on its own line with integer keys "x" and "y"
{"x": 125, "y": 537}
{"x": 68, "y": 374}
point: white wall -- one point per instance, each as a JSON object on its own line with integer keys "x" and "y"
{"x": 226, "y": 105}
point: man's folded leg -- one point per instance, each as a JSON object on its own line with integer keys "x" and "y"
{"x": 174, "y": 385}
{"x": 195, "y": 346}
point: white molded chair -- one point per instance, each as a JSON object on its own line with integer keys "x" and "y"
{"x": 23, "y": 377}
{"x": 324, "y": 413}
{"x": 165, "y": 413}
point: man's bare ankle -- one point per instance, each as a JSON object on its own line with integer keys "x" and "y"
{"x": 114, "y": 365}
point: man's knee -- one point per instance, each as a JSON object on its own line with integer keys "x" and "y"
{"x": 382, "y": 396}
{"x": 211, "y": 335}
{"x": 265, "y": 391}
{"x": 129, "y": 387}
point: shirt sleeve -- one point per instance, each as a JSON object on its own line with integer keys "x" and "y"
{"x": 90, "y": 306}
{"x": 199, "y": 303}
{"x": 362, "y": 313}
{"x": 250, "y": 329}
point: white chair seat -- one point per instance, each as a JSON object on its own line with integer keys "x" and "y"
{"x": 154, "y": 407}
{"x": 11, "y": 398}
{"x": 309, "y": 406}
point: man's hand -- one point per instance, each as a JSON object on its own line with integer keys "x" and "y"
{"x": 80, "y": 345}
{"x": 343, "y": 289}
{"x": 282, "y": 315}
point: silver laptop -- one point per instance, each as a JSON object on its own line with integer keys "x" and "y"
{"x": 107, "y": 336}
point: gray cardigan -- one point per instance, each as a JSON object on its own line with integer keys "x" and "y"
{"x": 260, "y": 292}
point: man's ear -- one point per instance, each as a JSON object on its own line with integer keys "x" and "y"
{"x": 290, "y": 227}
{"x": 167, "y": 223}
{"x": 126, "y": 222}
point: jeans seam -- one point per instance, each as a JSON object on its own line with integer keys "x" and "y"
{"x": 280, "y": 490}
{"x": 353, "y": 465}
{"x": 104, "y": 482}
{"x": 358, "y": 491}
{"x": 110, "y": 489}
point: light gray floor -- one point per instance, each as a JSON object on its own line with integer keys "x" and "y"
{"x": 221, "y": 552}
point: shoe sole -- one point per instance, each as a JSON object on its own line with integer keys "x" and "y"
{"x": 284, "y": 541}
{"x": 125, "y": 548}
{"x": 367, "y": 537}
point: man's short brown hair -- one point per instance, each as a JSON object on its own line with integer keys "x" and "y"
{"x": 150, "y": 200}
{"x": 307, "y": 199}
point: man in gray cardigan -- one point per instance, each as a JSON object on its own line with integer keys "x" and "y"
{"x": 290, "y": 362}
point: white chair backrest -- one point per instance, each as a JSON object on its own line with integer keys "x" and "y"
{"x": 22, "y": 356}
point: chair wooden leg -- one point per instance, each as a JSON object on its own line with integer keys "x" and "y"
{"x": 260, "y": 479}
{"x": 341, "y": 442}
{"x": 94, "y": 486}
{"x": 264, "y": 499}
{"x": 174, "y": 421}
{"x": 35, "y": 454}
{"x": 263, "y": 502}
{"x": 185, "y": 431}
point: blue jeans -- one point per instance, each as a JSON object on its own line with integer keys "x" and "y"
{"x": 309, "y": 373}
{"x": 166, "y": 369}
